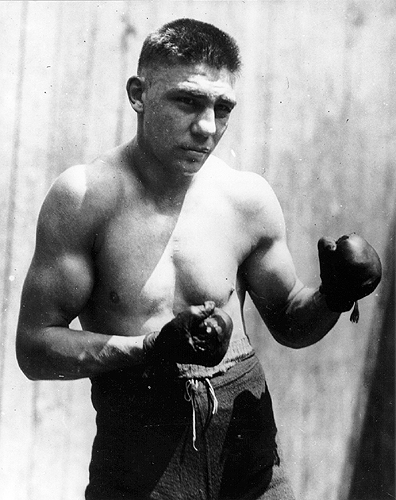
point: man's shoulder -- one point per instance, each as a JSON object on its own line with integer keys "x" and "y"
{"x": 96, "y": 184}
{"x": 82, "y": 196}
{"x": 247, "y": 188}
{"x": 250, "y": 197}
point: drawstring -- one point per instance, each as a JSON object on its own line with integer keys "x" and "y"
{"x": 213, "y": 401}
{"x": 191, "y": 388}
{"x": 213, "y": 404}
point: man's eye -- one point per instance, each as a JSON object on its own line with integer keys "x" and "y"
{"x": 188, "y": 101}
{"x": 223, "y": 111}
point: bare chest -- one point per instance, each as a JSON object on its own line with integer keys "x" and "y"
{"x": 152, "y": 263}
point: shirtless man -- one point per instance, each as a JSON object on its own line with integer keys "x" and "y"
{"x": 154, "y": 246}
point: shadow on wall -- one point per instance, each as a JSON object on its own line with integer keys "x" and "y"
{"x": 373, "y": 476}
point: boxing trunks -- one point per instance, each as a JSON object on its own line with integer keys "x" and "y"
{"x": 188, "y": 433}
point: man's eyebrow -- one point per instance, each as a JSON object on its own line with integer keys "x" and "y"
{"x": 230, "y": 102}
{"x": 202, "y": 95}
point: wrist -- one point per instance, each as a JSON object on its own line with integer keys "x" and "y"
{"x": 149, "y": 341}
{"x": 336, "y": 301}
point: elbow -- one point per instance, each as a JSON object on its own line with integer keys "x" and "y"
{"x": 287, "y": 342}
{"x": 26, "y": 359}
{"x": 26, "y": 365}
{"x": 291, "y": 339}
{"x": 30, "y": 374}
{"x": 27, "y": 369}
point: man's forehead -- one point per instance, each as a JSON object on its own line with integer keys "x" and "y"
{"x": 197, "y": 78}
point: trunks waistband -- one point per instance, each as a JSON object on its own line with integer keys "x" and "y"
{"x": 238, "y": 350}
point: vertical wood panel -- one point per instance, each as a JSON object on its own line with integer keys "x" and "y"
{"x": 316, "y": 116}
{"x": 13, "y": 457}
{"x": 10, "y": 207}
{"x": 372, "y": 455}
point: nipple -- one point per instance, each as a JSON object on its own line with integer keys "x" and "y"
{"x": 114, "y": 297}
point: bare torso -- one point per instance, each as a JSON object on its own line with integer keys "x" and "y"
{"x": 152, "y": 227}
{"x": 151, "y": 261}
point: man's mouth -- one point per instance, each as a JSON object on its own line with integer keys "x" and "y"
{"x": 196, "y": 151}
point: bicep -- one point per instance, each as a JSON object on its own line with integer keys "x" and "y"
{"x": 55, "y": 290}
{"x": 270, "y": 277}
{"x": 60, "y": 277}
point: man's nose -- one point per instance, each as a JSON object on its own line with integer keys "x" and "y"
{"x": 205, "y": 123}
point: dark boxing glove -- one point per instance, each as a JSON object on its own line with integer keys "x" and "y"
{"x": 350, "y": 269}
{"x": 200, "y": 335}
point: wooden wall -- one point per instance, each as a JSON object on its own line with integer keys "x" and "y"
{"x": 316, "y": 117}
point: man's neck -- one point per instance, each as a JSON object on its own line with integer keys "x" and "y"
{"x": 166, "y": 188}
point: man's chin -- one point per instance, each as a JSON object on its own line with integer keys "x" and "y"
{"x": 193, "y": 167}
{"x": 189, "y": 172}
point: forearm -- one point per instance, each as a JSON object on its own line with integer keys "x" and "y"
{"x": 57, "y": 353}
{"x": 305, "y": 320}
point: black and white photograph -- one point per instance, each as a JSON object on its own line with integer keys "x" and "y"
{"x": 197, "y": 249}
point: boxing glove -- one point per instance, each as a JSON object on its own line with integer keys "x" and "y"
{"x": 350, "y": 269}
{"x": 200, "y": 335}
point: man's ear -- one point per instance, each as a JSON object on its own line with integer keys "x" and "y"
{"x": 135, "y": 88}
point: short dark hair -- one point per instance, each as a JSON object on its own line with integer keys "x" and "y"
{"x": 188, "y": 41}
